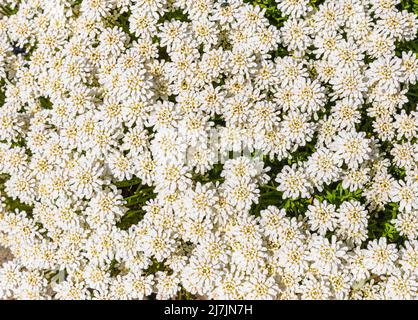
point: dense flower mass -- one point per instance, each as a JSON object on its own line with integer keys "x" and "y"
{"x": 208, "y": 149}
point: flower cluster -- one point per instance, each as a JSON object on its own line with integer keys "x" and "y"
{"x": 167, "y": 148}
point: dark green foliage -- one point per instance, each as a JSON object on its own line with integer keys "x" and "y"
{"x": 185, "y": 295}
{"x": 123, "y": 22}
{"x": 213, "y": 175}
{"x": 380, "y": 225}
{"x": 174, "y": 15}
{"x": 130, "y": 218}
{"x": 136, "y": 195}
{"x": 45, "y": 103}
{"x": 12, "y": 204}
{"x": 272, "y": 13}
{"x": 410, "y": 5}
{"x": 7, "y": 10}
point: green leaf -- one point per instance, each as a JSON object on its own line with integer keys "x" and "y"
{"x": 127, "y": 183}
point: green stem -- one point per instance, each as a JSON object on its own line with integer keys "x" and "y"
{"x": 127, "y": 183}
{"x": 139, "y": 190}
{"x": 412, "y": 94}
{"x": 269, "y": 187}
{"x": 141, "y": 199}
{"x": 7, "y": 11}
{"x": 269, "y": 193}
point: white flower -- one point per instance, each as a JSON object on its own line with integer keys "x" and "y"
{"x": 322, "y": 167}
{"x": 86, "y": 177}
{"x": 352, "y": 148}
{"x": 271, "y": 219}
{"x": 159, "y": 244}
{"x": 295, "y": 34}
{"x": 356, "y": 179}
{"x": 321, "y": 217}
{"x": 346, "y": 113}
{"x": 406, "y": 194}
{"x": 348, "y": 83}
{"x": 167, "y": 285}
{"x": 407, "y": 224}
{"x": 297, "y": 126}
{"x": 410, "y": 67}
{"x": 352, "y": 221}
{"x": 260, "y": 287}
{"x": 380, "y": 257}
{"x": 294, "y": 8}
{"x": 409, "y": 256}
{"x": 293, "y": 182}
{"x": 314, "y": 289}
{"x": 242, "y": 194}
{"x": 406, "y": 125}
{"x": 356, "y": 264}
{"x": 326, "y": 255}
{"x": 386, "y": 74}
{"x": 200, "y": 275}
{"x": 138, "y": 286}
{"x": 68, "y": 290}
{"x": 293, "y": 257}
{"x": 139, "y": 138}
{"x": 402, "y": 287}
{"x": 201, "y": 201}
